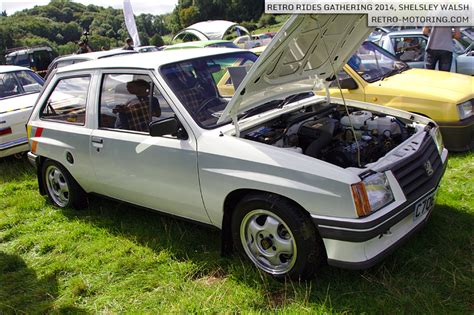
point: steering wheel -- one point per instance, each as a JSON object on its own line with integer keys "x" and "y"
{"x": 205, "y": 103}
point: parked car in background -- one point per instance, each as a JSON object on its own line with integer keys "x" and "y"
{"x": 247, "y": 42}
{"x": 37, "y": 58}
{"x": 464, "y": 51}
{"x": 144, "y": 49}
{"x": 19, "y": 89}
{"x": 373, "y": 75}
{"x": 291, "y": 178}
{"x": 444, "y": 97}
{"x": 202, "y": 44}
{"x": 62, "y": 61}
{"x": 410, "y": 46}
{"x": 263, "y": 39}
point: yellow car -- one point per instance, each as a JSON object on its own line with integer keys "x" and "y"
{"x": 375, "y": 76}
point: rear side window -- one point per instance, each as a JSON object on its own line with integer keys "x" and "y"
{"x": 67, "y": 102}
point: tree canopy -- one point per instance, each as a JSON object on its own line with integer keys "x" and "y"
{"x": 61, "y": 23}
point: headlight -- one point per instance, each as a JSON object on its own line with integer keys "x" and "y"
{"x": 438, "y": 138}
{"x": 465, "y": 109}
{"x": 372, "y": 194}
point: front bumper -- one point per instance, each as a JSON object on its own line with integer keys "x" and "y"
{"x": 362, "y": 243}
{"x": 33, "y": 159}
{"x": 458, "y": 136}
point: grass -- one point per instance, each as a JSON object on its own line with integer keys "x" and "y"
{"x": 113, "y": 258}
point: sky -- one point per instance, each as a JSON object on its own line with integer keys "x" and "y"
{"x": 139, "y": 6}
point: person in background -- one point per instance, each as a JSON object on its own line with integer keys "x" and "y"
{"x": 439, "y": 49}
{"x": 128, "y": 45}
{"x": 83, "y": 48}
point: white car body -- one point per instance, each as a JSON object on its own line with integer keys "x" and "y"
{"x": 203, "y": 176}
{"x": 14, "y": 113}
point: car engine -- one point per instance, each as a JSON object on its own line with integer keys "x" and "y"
{"x": 351, "y": 138}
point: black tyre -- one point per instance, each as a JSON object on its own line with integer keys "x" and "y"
{"x": 277, "y": 236}
{"x": 63, "y": 191}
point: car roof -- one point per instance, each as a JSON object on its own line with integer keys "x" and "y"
{"x": 199, "y": 43}
{"x": 4, "y": 69}
{"x": 417, "y": 31}
{"x": 97, "y": 54}
{"x": 149, "y": 60}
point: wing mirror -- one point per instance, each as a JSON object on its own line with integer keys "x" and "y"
{"x": 168, "y": 126}
{"x": 348, "y": 83}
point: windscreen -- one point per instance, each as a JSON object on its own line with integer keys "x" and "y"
{"x": 373, "y": 63}
{"x": 204, "y": 85}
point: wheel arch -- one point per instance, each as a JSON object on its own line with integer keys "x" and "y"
{"x": 231, "y": 201}
{"x": 39, "y": 176}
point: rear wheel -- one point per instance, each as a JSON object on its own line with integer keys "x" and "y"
{"x": 62, "y": 190}
{"x": 277, "y": 236}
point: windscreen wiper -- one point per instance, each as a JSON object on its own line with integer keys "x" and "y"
{"x": 276, "y": 104}
{"x": 390, "y": 73}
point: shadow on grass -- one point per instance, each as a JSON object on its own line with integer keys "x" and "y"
{"x": 22, "y": 292}
{"x": 13, "y": 169}
{"x": 427, "y": 274}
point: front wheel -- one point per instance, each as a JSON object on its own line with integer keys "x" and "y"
{"x": 277, "y": 236}
{"x": 62, "y": 190}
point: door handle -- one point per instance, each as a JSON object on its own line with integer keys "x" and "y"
{"x": 97, "y": 140}
{"x": 97, "y": 143}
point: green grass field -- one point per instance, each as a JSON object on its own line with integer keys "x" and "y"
{"x": 113, "y": 258}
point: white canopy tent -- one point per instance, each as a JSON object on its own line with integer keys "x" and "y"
{"x": 211, "y": 30}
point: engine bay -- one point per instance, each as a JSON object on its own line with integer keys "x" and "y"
{"x": 345, "y": 137}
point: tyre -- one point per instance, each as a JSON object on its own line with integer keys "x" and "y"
{"x": 62, "y": 190}
{"x": 277, "y": 236}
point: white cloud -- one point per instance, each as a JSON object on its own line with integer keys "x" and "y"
{"x": 139, "y": 6}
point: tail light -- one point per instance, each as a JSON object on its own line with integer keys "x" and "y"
{"x": 5, "y": 131}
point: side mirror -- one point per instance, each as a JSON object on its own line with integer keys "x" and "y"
{"x": 167, "y": 126}
{"x": 348, "y": 83}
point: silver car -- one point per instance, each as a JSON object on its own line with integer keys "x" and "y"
{"x": 291, "y": 178}
{"x": 410, "y": 45}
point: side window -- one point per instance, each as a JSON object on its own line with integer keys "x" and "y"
{"x": 67, "y": 102}
{"x": 131, "y": 102}
{"x": 410, "y": 48}
{"x": 8, "y": 85}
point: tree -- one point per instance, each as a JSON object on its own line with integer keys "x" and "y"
{"x": 189, "y": 15}
{"x": 157, "y": 40}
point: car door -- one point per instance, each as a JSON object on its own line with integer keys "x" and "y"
{"x": 130, "y": 165}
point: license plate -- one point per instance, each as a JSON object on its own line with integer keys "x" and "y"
{"x": 423, "y": 207}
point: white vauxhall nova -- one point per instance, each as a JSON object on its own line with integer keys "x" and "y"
{"x": 19, "y": 89}
{"x": 291, "y": 179}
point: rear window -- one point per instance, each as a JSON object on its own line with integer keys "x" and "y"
{"x": 67, "y": 102}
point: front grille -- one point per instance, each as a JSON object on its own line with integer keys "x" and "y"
{"x": 415, "y": 174}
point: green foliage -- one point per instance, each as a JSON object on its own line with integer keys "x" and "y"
{"x": 113, "y": 258}
{"x": 157, "y": 40}
{"x": 62, "y": 22}
{"x": 189, "y": 16}
{"x": 250, "y": 26}
{"x": 266, "y": 20}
